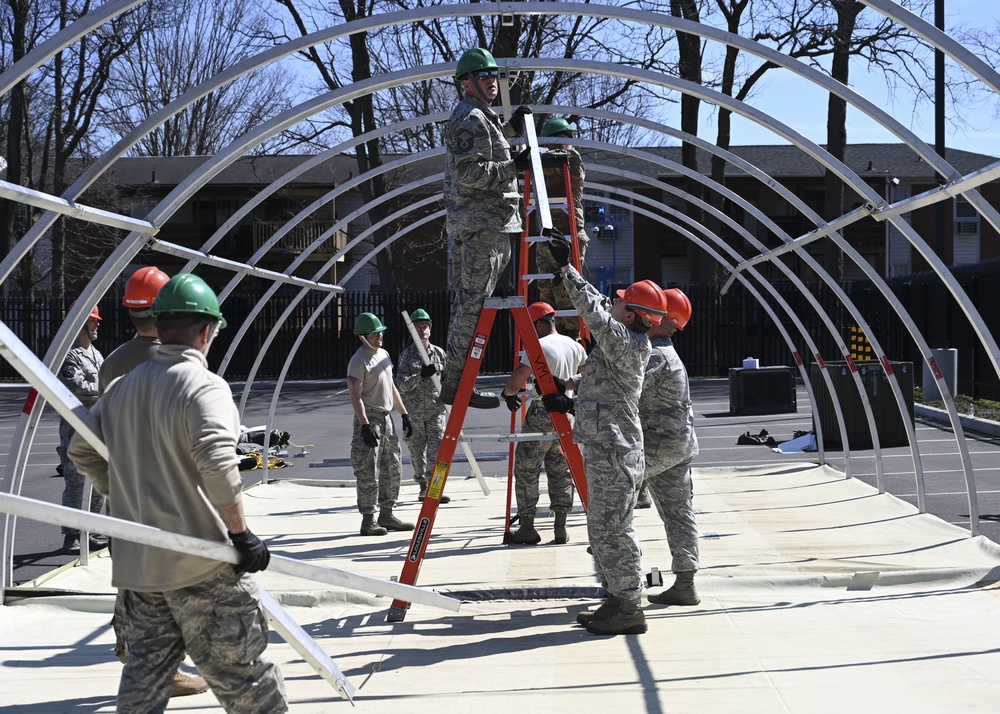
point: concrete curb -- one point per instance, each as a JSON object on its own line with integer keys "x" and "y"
{"x": 973, "y": 424}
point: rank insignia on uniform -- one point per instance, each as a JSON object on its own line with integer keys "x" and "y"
{"x": 464, "y": 141}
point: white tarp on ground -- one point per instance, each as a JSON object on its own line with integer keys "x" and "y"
{"x": 818, "y": 595}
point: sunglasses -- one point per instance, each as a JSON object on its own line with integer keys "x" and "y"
{"x": 487, "y": 74}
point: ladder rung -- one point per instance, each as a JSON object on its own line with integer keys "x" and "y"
{"x": 538, "y": 276}
{"x": 567, "y": 313}
{"x": 529, "y": 436}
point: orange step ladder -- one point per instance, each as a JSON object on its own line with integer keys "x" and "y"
{"x": 435, "y": 488}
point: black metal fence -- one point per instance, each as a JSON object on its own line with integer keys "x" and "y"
{"x": 723, "y": 331}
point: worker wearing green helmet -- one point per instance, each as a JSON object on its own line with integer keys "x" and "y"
{"x": 483, "y": 206}
{"x": 558, "y": 156}
{"x": 420, "y": 385}
{"x": 170, "y": 428}
{"x": 375, "y": 453}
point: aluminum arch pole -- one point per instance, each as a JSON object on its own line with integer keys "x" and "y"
{"x": 753, "y": 292}
{"x": 262, "y": 349}
{"x": 319, "y": 311}
{"x": 738, "y": 200}
{"x": 46, "y": 50}
{"x": 864, "y": 265}
{"x": 326, "y": 266}
{"x": 792, "y": 316}
{"x": 319, "y": 203}
{"x": 823, "y": 157}
{"x": 317, "y": 160}
{"x": 641, "y": 17}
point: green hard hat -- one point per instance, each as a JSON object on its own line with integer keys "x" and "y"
{"x": 186, "y": 294}
{"x": 419, "y": 315}
{"x": 366, "y": 323}
{"x": 558, "y": 125}
{"x": 474, "y": 60}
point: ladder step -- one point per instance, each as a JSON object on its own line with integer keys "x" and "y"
{"x": 527, "y": 436}
{"x": 538, "y": 276}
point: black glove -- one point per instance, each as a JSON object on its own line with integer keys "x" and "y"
{"x": 513, "y": 401}
{"x": 588, "y": 343}
{"x": 558, "y": 403}
{"x": 517, "y": 118}
{"x": 369, "y": 435}
{"x": 554, "y": 161}
{"x": 560, "y": 384}
{"x": 559, "y": 248}
{"x": 254, "y": 555}
{"x": 407, "y": 426}
{"x": 428, "y": 370}
{"x": 522, "y": 162}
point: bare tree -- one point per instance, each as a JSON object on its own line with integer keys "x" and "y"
{"x": 187, "y": 43}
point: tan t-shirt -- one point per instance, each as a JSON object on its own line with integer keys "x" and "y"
{"x": 374, "y": 369}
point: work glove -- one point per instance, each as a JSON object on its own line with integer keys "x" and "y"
{"x": 369, "y": 435}
{"x": 522, "y": 162}
{"x": 428, "y": 370}
{"x": 513, "y": 401}
{"x": 560, "y": 384}
{"x": 559, "y": 248}
{"x": 407, "y": 426}
{"x": 554, "y": 161}
{"x": 588, "y": 343}
{"x": 517, "y": 118}
{"x": 558, "y": 403}
{"x": 254, "y": 555}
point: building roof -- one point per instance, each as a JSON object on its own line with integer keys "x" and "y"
{"x": 249, "y": 170}
{"x": 787, "y": 161}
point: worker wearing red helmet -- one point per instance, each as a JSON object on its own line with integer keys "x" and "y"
{"x": 79, "y": 372}
{"x": 609, "y": 430}
{"x": 670, "y": 447}
{"x": 565, "y": 357}
{"x": 140, "y": 292}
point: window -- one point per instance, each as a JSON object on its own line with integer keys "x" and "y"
{"x": 966, "y": 218}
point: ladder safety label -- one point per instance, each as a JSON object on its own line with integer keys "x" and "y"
{"x": 419, "y": 536}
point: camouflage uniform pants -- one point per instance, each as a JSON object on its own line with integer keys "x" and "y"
{"x": 555, "y": 293}
{"x": 221, "y": 625}
{"x": 670, "y": 487}
{"x": 477, "y": 261}
{"x": 72, "y": 496}
{"x": 613, "y": 475}
{"x": 528, "y": 459}
{"x": 424, "y": 444}
{"x": 377, "y": 471}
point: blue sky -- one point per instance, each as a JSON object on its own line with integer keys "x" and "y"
{"x": 797, "y": 103}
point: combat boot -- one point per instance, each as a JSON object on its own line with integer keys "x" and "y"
{"x": 606, "y": 610}
{"x": 559, "y": 529}
{"x": 682, "y": 592}
{"x": 526, "y": 534}
{"x": 478, "y": 400}
{"x": 423, "y": 494}
{"x": 368, "y": 527}
{"x": 186, "y": 685}
{"x": 390, "y": 522}
{"x": 627, "y": 619}
{"x": 644, "y": 500}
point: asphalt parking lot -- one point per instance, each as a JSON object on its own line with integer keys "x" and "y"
{"x": 319, "y": 415}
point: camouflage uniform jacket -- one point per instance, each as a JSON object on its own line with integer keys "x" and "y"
{"x": 480, "y": 181}
{"x": 607, "y": 400}
{"x": 80, "y": 372}
{"x": 418, "y": 394}
{"x": 555, "y": 187}
{"x": 665, "y": 405}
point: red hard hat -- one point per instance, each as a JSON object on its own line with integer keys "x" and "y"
{"x": 95, "y": 313}
{"x": 678, "y": 307}
{"x": 538, "y": 310}
{"x": 142, "y": 287}
{"x": 646, "y": 299}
